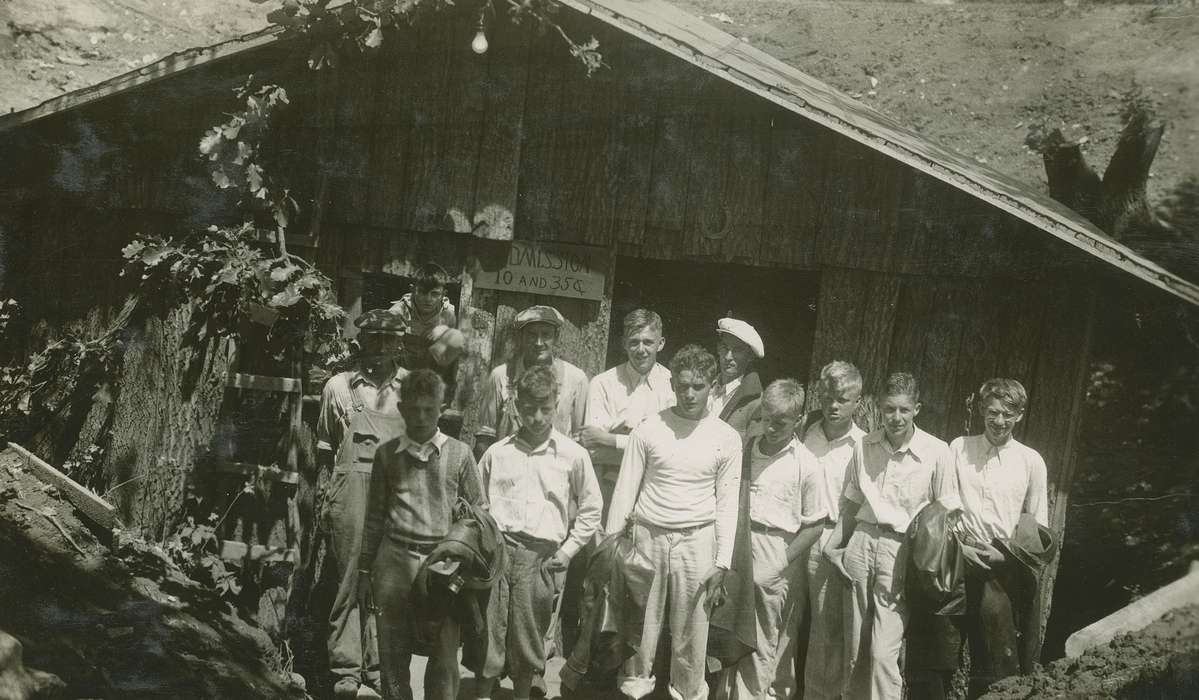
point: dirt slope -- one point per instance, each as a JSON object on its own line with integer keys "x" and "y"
{"x": 974, "y": 76}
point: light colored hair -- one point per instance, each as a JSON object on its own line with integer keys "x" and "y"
{"x": 638, "y": 319}
{"x": 787, "y": 395}
{"x": 839, "y": 374}
{"x": 1010, "y": 393}
{"x": 902, "y": 383}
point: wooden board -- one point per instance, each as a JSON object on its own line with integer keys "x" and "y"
{"x": 795, "y": 182}
{"x": 258, "y": 382}
{"x": 95, "y": 508}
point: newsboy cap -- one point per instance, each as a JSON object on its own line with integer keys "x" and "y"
{"x": 539, "y": 314}
{"x": 744, "y": 332}
{"x": 380, "y": 321}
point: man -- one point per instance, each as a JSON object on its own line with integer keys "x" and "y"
{"x": 786, "y": 510}
{"x": 678, "y": 494}
{"x": 537, "y": 330}
{"x": 546, "y": 502}
{"x": 897, "y": 471}
{"x": 1000, "y": 479}
{"x": 624, "y": 396}
{"x": 414, "y": 484}
{"x": 833, "y": 441}
{"x": 737, "y": 397}
{"x": 359, "y": 412}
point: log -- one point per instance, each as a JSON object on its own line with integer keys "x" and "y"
{"x": 1137, "y": 615}
{"x": 95, "y": 508}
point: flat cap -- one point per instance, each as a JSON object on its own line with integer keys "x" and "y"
{"x": 539, "y": 314}
{"x": 380, "y": 321}
{"x": 744, "y": 332}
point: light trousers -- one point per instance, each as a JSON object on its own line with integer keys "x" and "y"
{"x": 664, "y": 573}
{"x": 769, "y": 672}
{"x": 828, "y": 600}
{"x": 876, "y": 560}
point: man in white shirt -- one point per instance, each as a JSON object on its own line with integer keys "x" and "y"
{"x": 896, "y": 471}
{"x": 786, "y": 509}
{"x": 833, "y": 441}
{"x": 621, "y": 398}
{"x": 999, "y": 479}
{"x": 678, "y": 494}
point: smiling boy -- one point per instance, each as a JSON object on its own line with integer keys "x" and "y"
{"x": 786, "y": 509}
{"x": 677, "y": 494}
{"x": 546, "y": 502}
{"x": 1000, "y": 480}
{"x": 898, "y": 470}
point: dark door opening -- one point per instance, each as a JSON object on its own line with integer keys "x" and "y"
{"x": 691, "y": 297}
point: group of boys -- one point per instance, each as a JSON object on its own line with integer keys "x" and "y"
{"x": 660, "y": 456}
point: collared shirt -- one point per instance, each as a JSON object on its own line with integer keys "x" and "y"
{"x": 337, "y": 402}
{"x": 537, "y": 490}
{"x": 422, "y": 451}
{"x": 496, "y": 421}
{"x": 621, "y": 398}
{"x": 405, "y": 308}
{"x": 786, "y": 489}
{"x": 412, "y": 501}
{"x": 997, "y": 484}
{"x": 892, "y": 485}
{"x": 834, "y": 457}
{"x": 721, "y": 394}
{"x": 679, "y": 473}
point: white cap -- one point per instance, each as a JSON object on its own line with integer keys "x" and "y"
{"x": 744, "y": 332}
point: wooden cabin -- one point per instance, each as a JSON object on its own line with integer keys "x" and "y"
{"x": 695, "y": 175}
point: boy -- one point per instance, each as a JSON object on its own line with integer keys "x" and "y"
{"x": 833, "y": 441}
{"x": 679, "y": 483}
{"x": 624, "y": 396}
{"x": 537, "y": 330}
{"x": 358, "y": 413}
{"x": 537, "y": 481}
{"x": 415, "y": 481}
{"x": 425, "y": 306}
{"x": 898, "y": 470}
{"x": 1000, "y": 479}
{"x": 786, "y": 509}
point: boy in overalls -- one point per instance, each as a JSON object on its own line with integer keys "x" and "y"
{"x": 359, "y": 411}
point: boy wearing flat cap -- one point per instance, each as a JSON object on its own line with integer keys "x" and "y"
{"x": 359, "y": 411}
{"x": 536, "y": 345}
{"x": 737, "y": 396}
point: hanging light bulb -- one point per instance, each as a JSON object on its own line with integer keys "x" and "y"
{"x": 479, "y": 44}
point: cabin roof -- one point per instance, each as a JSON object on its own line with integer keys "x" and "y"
{"x": 731, "y": 59}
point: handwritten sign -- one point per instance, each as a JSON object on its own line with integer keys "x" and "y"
{"x": 577, "y": 272}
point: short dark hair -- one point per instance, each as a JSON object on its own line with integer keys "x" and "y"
{"x": 1010, "y": 393}
{"x": 430, "y": 276}
{"x": 902, "y": 383}
{"x": 637, "y": 319}
{"x": 537, "y": 382}
{"x": 422, "y": 384}
{"x": 695, "y": 359}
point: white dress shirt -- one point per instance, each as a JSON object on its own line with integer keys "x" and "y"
{"x": 622, "y": 396}
{"x": 892, "y": 485}
{"x": 834, "y": 457}
{"x": 997, "y": 484}
{"x": 786, "y": 489}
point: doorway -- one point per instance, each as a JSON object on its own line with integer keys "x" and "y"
{"x": 690, "y": 297}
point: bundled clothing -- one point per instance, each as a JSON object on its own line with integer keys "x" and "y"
{"x": 351, "y": 423}
{"x": 679, "y": 492}
{"x": 413, "y": 490}
{"x": 1003, "y": 495}
{"x": 824, "y": 665}
{"x": 890, "y": 485}
{"x": 785, "y": 496}
{"x": 545, "y": 500}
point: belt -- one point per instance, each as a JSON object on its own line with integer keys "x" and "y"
{"x": 425, "y": 549}
{"x": 759, "y": 527}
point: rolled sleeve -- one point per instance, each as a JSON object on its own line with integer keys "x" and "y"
{"x": 945, "y": 481}
{"x": 852, "y": 490}
{"x": 1037, "y": 500}
{"x": 812, "y": 506}
{"x": 330, "y": 423}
